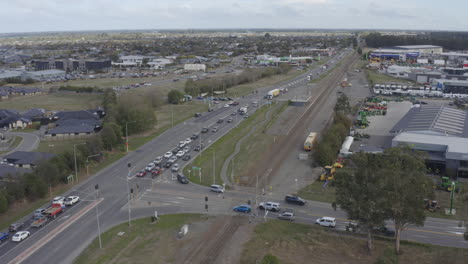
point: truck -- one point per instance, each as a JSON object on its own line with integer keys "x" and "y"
{"x": 310, "y": 140}
{"x": 40, "y": 222}
{"x": 53, "y": 211}
{"x": 273, "y": 93}
{"x": 243, "y": 110}
{"x": 4, "y": 236}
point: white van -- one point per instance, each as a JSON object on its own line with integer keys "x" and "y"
{"x": 326, "y": 221}
{"x": 216, "y": 188}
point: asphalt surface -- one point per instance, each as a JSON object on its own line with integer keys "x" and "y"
{"x": 166, "y": 195}
{"x": 29, "y": 143}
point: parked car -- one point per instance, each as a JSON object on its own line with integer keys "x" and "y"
{"x": 289, "y": 216}
{"x": 242, "y": 208}
{"x": 168, "y": 155}
{"x": 180, "y": 154}
{"x": 326, "y": 221}
{"x": 20, "y": 236}
{"x": 293, "y": 199}
{"x": 4, "y": 236}
{"x": 15, "y": 227}
{"x": 220, "y": 121}
{"x": 270, "y": 206}
{"x": 214, "y": 129}
{"x": 141, "y": 173}
{"x": 205, "y": 130}
{"x": 217, "y": 188}
{"x": 157, "y": 160}
{"x": 175, "y": 168}
{"x": 71, "y": 200}
{"x": 186, "y": 157}
{"x": 230, "y": 120}
{"x": 150, "y": 167}
{"x": 173, "y": 159}
{"x": 182, "y": 179}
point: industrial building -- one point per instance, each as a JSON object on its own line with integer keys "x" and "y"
{"x": 70, "y": 65}
{"x": 439, "y": 131}
{"x": 403, "y": 53}
{"x": 195, "y": 67}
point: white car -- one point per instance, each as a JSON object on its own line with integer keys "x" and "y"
{"x": 20, "y": 236}
{"x": 168, "y": 155}
{"x": 175, "y": 168}
{"x": 58, "y": 200}
{"x": 150, "y": 167}
{"x": 270, "y": 206}
{"x": 326, "y": 221}
{"x": 71, "y": 200}
{"x": 180, "y": 154}
{"x": 173, "y": 159}
{"x": 182, "y": 144}
{"x": 187, "y": 149}
{"x": 217, "y": 188}
{"x": 157, "y": 160}
{"x": 188, "y": 140}
{"x": 226, "y": 105}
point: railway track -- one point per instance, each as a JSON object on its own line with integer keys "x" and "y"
{"x": 270, "y": 164}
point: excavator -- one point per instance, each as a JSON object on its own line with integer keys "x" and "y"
{"x": 330, "y": 171}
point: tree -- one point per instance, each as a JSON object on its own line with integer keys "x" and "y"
{"x": 48, "y": 172}
{"x": 109, "y": 139}
{"x": 109, "y": 98}
{"x": 406, "y": 186}
{"x": 34, "y": 186}
{"x": 342, "y": 105}
{"x": 270, "y": 259}
{"x": 3, "y": 202}
{"x": 359, "y": 192}
{"x": 175, "y": 96}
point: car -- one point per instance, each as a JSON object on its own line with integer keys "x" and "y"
{"x": 229, "y": 98}
{"x": 270, "y": 206}
{"x": 15, "y": 227}
{"x": 230, "y": 120}
{"x": 168, "y": 164}
{"x": 186, "y": 157}
{"x": 157, "y": 160}
{"x": 173, "y": 159}
{"x": 242, "y": 208}
{"x": 20, "y": 236}
{"x": 197, "y": 114}
{"x": 326, "y": 221}
{"x": 217, "y": 188}
{"x": 71, "y": 200}
{"x": 214, "y": 129}
{"x": 288, "y": 215}
{"x": 226, "y": 105}
{"x": 293, "y": 199}
{"x": 235, "y": 103}
{"x": 194, "y": 136}
{"x": 205, "y": 130}
{"x": 197, "y": 148}
{"x": 210, "y": 109}
{"x": 168, "y": 155}
{"x": 4, "y": 236}
{"x": 233, "y": 113}
{"x": 188, "y": 140}
{"x": 156, "y": 171}
{"x": 180, "y": 154}
{"x": 220, "y": 121}
{"x": 383, "y": 230}
{"x": 215, "y": 102}
{"x": 175, "y": 150}
{"x": 150, "y": 166}
{"x": 245, "y": 116}
{"x": 175, "y": 168}
{"x": 182, "y": 179}
{"x": 38, "y": 213}
{"x": 181, "y": 144}
{"x": 141, "y": 173}
{"x": 59, "y": 200}
{"x": 186, "y": 149}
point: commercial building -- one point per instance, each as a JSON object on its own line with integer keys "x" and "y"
{"x": 439, "y": 131}
{"x": 195, "y": 67}
{"x": 71, "y": 65}
{"x": 403, "y": 53}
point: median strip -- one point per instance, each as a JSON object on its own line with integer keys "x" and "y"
{"x": 39, "y": 244}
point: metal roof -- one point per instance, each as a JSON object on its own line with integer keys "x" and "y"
{"x": 437, "y": 119}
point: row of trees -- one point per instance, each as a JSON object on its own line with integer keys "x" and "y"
{"x": 448, "y": 40}
{"x": 195, "y": 88}
{"x": 81, "y": 89}
{"x": 47, "y": 174}
{"x": 388, "y": 186}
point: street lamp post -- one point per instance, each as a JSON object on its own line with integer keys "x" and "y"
{"x": 128, "y": 189}
{"x": 96, "y": 187}
{"x": 126, "y": 132}
{"x": 87, "y": 162}
{"x": 74, "y": 154}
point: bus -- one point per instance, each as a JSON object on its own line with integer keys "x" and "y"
{"x": 310, "y": 140}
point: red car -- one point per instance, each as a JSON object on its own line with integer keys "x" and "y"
{"x": 142, "y": 173}
{"x": 156, "y": 172}
{"x": 235, "y": 103}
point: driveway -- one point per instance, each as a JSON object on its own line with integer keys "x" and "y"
{"x": 30, "y": 142}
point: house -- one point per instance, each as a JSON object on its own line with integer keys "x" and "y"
{"x": 26, "y": 159}
{"x": 76, "y": 123}
{"x": 11, "y": 171}
{"x": 12, "y": 119}
{"x": 35, "y": 114}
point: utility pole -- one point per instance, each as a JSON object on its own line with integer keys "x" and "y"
{"x": 214, "y": 168}
{"x": 74, "y": 154}
{"x": 126, "y": 132}
{"x": 96, "y": 187}
{"x": 128, "y": 198}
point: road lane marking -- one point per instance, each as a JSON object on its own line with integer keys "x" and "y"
{"x": 52, "y": 234}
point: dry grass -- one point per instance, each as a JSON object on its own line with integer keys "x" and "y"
{"x": 53, "y": 101}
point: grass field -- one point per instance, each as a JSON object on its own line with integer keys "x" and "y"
{"x": 316, "y": 192}
{"x": 299, "y": 243}
{"x": 221, "y": 149}
{"x": 375, "y": 78}
{"x": 143, "y": 242}
{"x": 53, "y": 101}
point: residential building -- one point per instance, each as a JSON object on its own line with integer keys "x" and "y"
{"x": 26, "y": 159}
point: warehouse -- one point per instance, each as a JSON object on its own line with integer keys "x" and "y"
{"x": 439, "y": 131}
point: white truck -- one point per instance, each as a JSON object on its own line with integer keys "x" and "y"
{"x": 269, "y": 206}
{"x": 243, "y": 110}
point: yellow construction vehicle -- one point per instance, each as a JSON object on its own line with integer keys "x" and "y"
{"x": 330, "y": 171}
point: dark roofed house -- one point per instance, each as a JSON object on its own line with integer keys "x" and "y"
{"x": 75, "y": 123}
{"x": 80, "y": 129}
{"x": 34, "y": 114}
{"x": 25, "y": 159}
{"x": 11, "y": 119}
{"x": 6, "y": 171}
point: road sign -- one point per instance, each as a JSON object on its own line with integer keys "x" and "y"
{"x": 195, "y": 168}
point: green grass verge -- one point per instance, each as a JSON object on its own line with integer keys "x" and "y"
{"x": 54, "y": 101}
{"x": 221, "y": 150}
{"x": 143, "y": 242}
{"x": 316, "y": 192}
{"x": 297, "y": 243}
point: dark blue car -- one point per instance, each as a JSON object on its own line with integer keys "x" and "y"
{"x": 242, "y": 208}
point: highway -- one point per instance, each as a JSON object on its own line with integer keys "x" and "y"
{"x": 166, "y": 195}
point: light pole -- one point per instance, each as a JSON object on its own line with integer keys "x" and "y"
{"x": 126, "y": 132}
{"x": 128, "y": 189}
{"x": 87, "y": 162}
{"x": 96, "y": 187}
{"x": 74, "y": 154}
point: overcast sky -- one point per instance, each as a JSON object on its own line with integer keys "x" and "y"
{"x": 64, "y": 15}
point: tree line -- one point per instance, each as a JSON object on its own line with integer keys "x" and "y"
{"x": 195, "y": 88}
{"x": 447, "y": 40}
{"x": 81, "y": 89}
